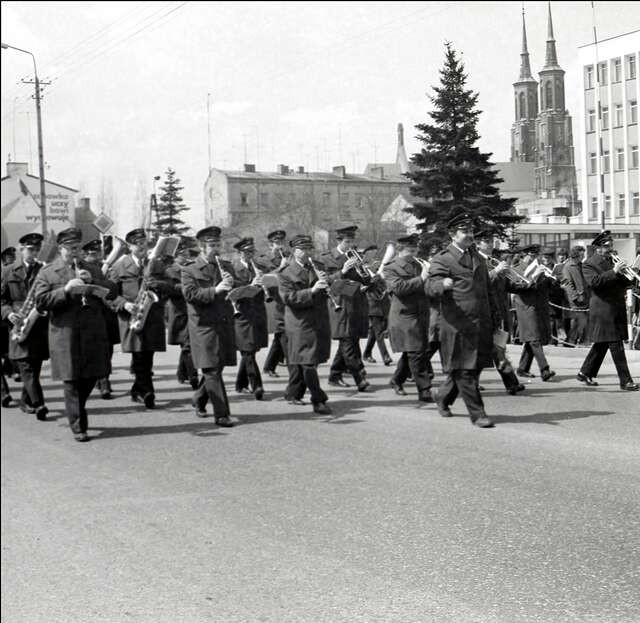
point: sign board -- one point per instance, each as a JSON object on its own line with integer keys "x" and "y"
{"x": 103, "y": 223}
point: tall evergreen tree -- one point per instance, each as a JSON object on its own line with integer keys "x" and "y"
{"x": 450, "y": 172}
{"x": 170, "y": 206}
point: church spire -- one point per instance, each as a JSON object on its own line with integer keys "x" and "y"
{"x": 525, "y": 67}
{"x": 551, "y": 58}
{"x": 401, "y": 155}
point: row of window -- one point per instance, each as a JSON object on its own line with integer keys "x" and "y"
{"x": 616, "y": 71}
{"x": 361, "y": 201}
{"x": 621, "y": 205}
{"x": 618, "y": 116}
{"x": 606, "y": 160}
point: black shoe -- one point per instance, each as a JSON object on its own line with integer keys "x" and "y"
{"x": 481, "y": 388}
{"x": 425, "y": 396}
{"x": 243, "y": 390}
{"x": 272, "y": 373}
{"x": 6, "y": 401}
{"x": 388, "y": 362}
{"x": 41, "y": 413}
{"x": 136, "y": 397}
{"x": 25, "y": 408}
{"x": 629, "y": 386}
{"x": 364, "y": 386}
{"x": 200, "y": 412}
{"x": 194, "y": 382}
{"x": 369, "y": 359}
{"x": 547, "y": 375}
{"x": 258, "y": 393}
{"x": 81, "y": 437}
{"x": 398, "y": 389}
{"x": 483, "y": 422}
{"x": 587, "y": 380}
{"x": 338, "y": 383}
{"x": 443, "y": 409}
{"x": 224, "y": 421}
{"x": 297, "y": 402}
{"x": 525, "y": 374}
{"x": 321, "y": 408}
{"x": 149, "y": 401}
{"x": 515, "y": 389}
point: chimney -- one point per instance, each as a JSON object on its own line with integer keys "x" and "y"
{"x": 17, "y": 169}
{"x": 85, "y": 203}
{"x": 283, "y": 169}
{"x": 300, "y": 169}
{"x": 401, "y": 155}
{"x": 340, "y": 171}
{"x": 377, "y": 172}
{"x": 249, "y": 168}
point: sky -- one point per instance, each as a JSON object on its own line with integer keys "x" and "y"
{"x": 298, "y": 83}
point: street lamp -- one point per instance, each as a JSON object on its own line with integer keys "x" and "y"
{"x": 43, "y": 199}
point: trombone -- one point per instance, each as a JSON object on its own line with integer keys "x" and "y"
{"x": 627, "y": 271}
{"x": 321, "y": 277}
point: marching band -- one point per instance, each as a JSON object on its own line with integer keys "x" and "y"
{"x": 71, "y": 303}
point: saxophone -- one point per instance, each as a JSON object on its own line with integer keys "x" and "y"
{"x": 28, "y": 315}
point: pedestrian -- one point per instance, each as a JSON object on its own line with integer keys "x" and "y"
{"x": 577, "y": 293}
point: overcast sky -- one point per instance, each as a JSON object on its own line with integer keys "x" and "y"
{"x": 313, "y": 84}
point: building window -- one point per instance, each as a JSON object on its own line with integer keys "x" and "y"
{"x": 634, "y": 156}
{"x": 633, "y": 111}
{"x": 605, "y": 117}
{"x": 617, "y": 70}
{"x": 326, "y": 200}
{"x": 591, "y": 121}
{"x": 619, "y": 158}
{"x": 593, "y": 163}
{"x": 264, "y": 199}
{"x": 607, "y": 206}
{"x": 621, "y": 203}
{"x": 243, "y": 199}
{"x": 588, "y": 77}
{"x": 605, "y": 161}
{"x": 631, "y": 66}
{"x": 635, "y": 203}
{"x": 594, "y": 208}
{"x": 549, "y": 95}
{"x": 619, "y": 112}
{"x": 602, "y": 74}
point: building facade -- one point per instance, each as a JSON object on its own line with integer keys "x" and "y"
{"x": 610, "y": 181}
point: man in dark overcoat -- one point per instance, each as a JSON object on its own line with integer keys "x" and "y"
{"x": 378, "y": 304}
{"x": 607, "y": 313}
{"x": 532, "y": 309}
{"x": 459, "y": 276}
{"x": 406, "y": 279}
{"x": 350, "y": 323}
{"x": 306, "y": 323}
{"x": 78, "y": 338}
{"x": 17, "y": 281}
{"x": 250, "y": 318}
{"x": 205, "y": 284}
{"x": 577, "y": 294}
{"x": 131, "y": 273}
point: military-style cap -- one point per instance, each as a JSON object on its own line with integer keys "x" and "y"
{"x": 562, "y": 251}
{"x": 602, "y": 238}
{"x": 410, "y": 240}
{"x": 66, "y": 236}
{"x": 93, "y": 245}
{"x": 461, "y": 219}
{"x": 135, "y": 236}
{"x": 211, "y": 234}
{"x": 548, "y": 251}
{"x": 8, "y": 251}
{"x": 278, "y": 234}
{"x": 301, "y": 241}
{"x": 31, "y": 240}
{"x": 533, "y": 249}
{"x": 245, "y": 244}
{"x": 187, "y": 242}
{"x": 348, "y": 231}
{"x": 484, "y": 234}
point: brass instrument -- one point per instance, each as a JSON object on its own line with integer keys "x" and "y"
{"x": 259, "y": 275}
{"x": 423, "y": 263}
{"x": 223, "y": 275}
{"x": 361, "y": 268}
{"x": 627, "y": 271}
{"x": 510, "y": 272}
{"x": 118, "y": 250}
{"x": 28, "y": 315}
{"x": 321, "y": 277}
{"x": 544, "y": 270}
{"x": 389, "y": 254}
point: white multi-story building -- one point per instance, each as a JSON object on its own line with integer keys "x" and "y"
{"x": 610, "y": 178}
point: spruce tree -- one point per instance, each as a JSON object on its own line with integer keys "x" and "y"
{"x": 450, "y": 173}
{"x": 170, "y": 206}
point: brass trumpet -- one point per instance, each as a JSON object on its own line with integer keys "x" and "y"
{"x": 627, "y": 271}
{"x": 320, "y": 276}
{"x": 510, "y": 272}
{"x": 361, "y": 268}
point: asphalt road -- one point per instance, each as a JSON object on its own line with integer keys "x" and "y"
{"x": 382, "y": 512}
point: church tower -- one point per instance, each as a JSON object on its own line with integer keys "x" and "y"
{"x": 523, "y": 130}
{"x": 555, "y": 168}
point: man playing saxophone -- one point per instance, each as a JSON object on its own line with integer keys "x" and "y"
{"x": 133, "y": 275}
{"x": 18, "y": 302}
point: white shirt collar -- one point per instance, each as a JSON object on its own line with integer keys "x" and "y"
{"x": 458, "y": 247}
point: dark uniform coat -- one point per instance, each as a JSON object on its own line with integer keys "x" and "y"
{"x": 15, "y": 288}
{"x": 574, "y": 283}
{"x": 251, "y": 329}
{"x": 466, "y": 325}
{"x": 126, "y": 274}
{"x": 77, "y": 333}
{"x": 378, "y": 300}
{"x": 607, "y": 308}
{"x": 270, "y": 263}
{"x": 353, "y": 319}
{"x": 306, "y": 316}
{"x": 210, "y": 323}
{"x": 409, "y": 311}
{"x": 177, "y": 317}
{"x": 532, "y": 308}
{"x": 499, "y": 292}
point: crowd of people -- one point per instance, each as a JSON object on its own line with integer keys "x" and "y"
{"x": 465, "y": 301}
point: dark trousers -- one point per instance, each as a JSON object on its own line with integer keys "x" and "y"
{"x": 277, "y": 352}
{"x": 212, "y": 388}
{"x": 141, "y": 366}
{"x": 596, "y": 355}
{"x": 509, "y": 378}
{"x": 248, "y": 371}
{"x": 5, "y": 388}
{"x": 348, "y": 358}
{"x": 377, "y": 327}
{"x": 29, "y": 368}
{"x": 75, "y": 399}
{"x": 432, "y": 349}
{"x": 414, "y": 362}
{"x": 464, "y": 382}
{"x": 532, "y": 350}
{"x": 103, "y": 383}
{"x": 301, "y": 378}
{"x": 578, "y": 327}
{"x": 186, "y": 370}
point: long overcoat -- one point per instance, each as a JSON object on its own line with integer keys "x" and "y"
{"x": 177, "y": 318}
{"x": 251, "y": 328}
{"x": 409, "y": 311}
{"x": 78, "y": 339}
{"x": 378, "y": 301}
{"x": 270, "y": 263}
{"x": 306, "y": 316}
{"x": 466, "y": 324}
{"x": 15, "y": 288}
{"x": 532, "y": 308}
{"x": 498, "y": 290}
{"x": 353, "y": 319}
{"x": 128, "y": 277}
{"x": 607, "y": 310}
{"x": 210, "y": 324}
